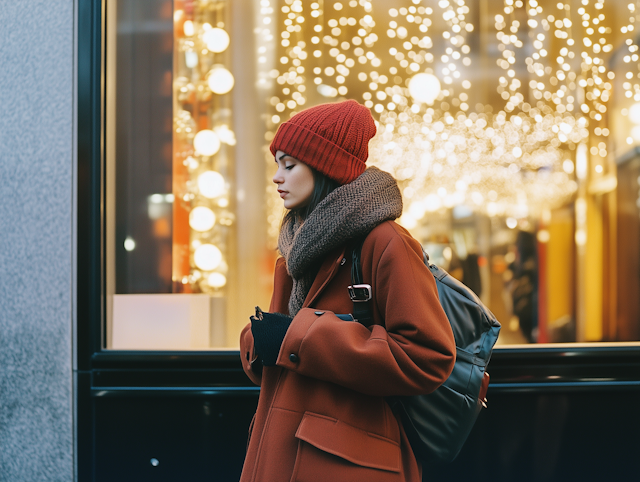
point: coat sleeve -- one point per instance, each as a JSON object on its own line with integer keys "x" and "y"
{"x": 412, "y": 354}
{"x": 279, "y": 300}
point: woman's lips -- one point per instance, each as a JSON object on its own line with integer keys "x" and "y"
{"x": 282, "y": 193}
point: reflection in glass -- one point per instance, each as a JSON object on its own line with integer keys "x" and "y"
{"x": 511, "y": 127}
{"x": 495, "y": 118}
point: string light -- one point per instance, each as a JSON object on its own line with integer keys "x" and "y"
{"x": 206, "y": 143}
{"x": 515, "y": 159}
{"x": 207, "y": 257}
{"x": 220, "y": 80}
{"x": 211, "y": 184}
{"x": 216, "y": 39}
{"x": 202, "y": 140}
{"x": 202, "y": 218}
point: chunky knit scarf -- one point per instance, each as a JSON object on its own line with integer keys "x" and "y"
{"x": 348, "y": 212}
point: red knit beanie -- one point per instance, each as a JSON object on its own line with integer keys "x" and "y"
{"x": 331, "y": 138}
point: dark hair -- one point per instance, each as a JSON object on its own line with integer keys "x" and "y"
{"x": 322, "y": 186}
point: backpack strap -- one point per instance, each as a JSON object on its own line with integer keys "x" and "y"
{"x": 359, "y": 292}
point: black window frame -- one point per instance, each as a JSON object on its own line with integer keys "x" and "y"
{"x": 608, "y": 361}
{"x": 100, "y": 372}
{"x": 103, "y": 372}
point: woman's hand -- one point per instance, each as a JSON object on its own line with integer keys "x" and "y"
{"x": 268, "y": 331}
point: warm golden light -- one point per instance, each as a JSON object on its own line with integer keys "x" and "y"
{"x": 220, "y": 80}
{"x": 411, "y": 65}
{"x": 634, "y": 113}
{"x": 202, "y": 218}
{"x": 211, "y": 184}
{"x": 424, "y": 88}
{"x": 217, "y": 39}
{"x": 207, "y": 257}
{"x": 217, "y": 280}
{"x": 202, "y": 139}
{"x": 206, "y": 142}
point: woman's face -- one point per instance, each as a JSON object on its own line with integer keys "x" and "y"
{"x": 295, "y": 181}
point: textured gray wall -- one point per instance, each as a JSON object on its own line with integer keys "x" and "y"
{"x": 36, "y": 160}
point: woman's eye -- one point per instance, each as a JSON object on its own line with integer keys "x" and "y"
{"x": 288, "y": 168}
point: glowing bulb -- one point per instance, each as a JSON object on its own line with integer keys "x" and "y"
{"x": 220, "y": 80}
{"x": 581, "y": 161}
{"x": 211, "y": 184}
{"x": 191, "y": 59}
{"x": 129, "y": 244}
{"x": 202, "y": 218}
{"x": 217, "y": 40}
{"x": 634, "y": 113}
{"x": 567, "y": 166}
{"x": 543, "y": 236}
{"x": 188, "y": 28}
{"x": 207, "y": 257}
{"x": 206, "y": 142}
{"x": 217, "y": 280}
{"x": 424, "y": 88}
{"x": 226, "y": 135}
{"x": 327, "y": 90}
{"x": 512, "y": 223}
{"x": 635, "y": 133}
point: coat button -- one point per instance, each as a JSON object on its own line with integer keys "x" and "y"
{"x": 344, "y": 260}
{"x": 318, "y": 313}
{"x": 294, "y": 358}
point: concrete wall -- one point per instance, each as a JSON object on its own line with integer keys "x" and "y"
{"x": 36, "y": 253}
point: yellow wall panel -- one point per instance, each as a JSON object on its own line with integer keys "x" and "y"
{"x": 560, "y": 267}
{"x": 593, "y": 271}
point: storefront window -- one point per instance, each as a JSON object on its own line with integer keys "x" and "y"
{"x": 511, "y": 126}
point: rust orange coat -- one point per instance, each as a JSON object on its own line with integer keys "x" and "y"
{"x": 322, "y": 414}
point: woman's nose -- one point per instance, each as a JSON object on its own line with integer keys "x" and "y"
{"x": 277, "y": 178}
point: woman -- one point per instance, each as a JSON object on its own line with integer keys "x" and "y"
{"x": 322, "y": 414}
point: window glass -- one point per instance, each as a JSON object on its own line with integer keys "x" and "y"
{"x": 512, "y": 127}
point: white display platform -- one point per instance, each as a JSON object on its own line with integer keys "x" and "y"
{"x": 167, "y": 322}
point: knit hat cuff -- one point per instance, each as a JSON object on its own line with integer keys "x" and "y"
{"x": 317, "y": 152}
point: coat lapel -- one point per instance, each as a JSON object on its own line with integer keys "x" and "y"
{"x": 326, "y": 273}
{"x": 281, "y": 288}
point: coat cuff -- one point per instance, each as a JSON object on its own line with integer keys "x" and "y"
{"x": 290, "y": 356}
{"x": 250, "y": 361}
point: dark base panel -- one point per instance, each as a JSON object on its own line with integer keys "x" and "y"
{"x": 191, "y": 438}
{"x": 524, "y": 437}
{"x": 550, "y": 437}
{"x": 554, "y": 415}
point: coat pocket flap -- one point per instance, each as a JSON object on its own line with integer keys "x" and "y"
{"x": 350, "y": 443}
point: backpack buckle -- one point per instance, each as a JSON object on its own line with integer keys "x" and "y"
{"x": 360, "y": 293}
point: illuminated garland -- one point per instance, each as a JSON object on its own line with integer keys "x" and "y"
{"x": 203, "y": 159}
{"x": 515, "y": 161}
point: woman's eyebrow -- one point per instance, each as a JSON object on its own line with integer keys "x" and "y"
{"x": 282, "y": 157}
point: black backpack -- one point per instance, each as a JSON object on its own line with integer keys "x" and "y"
{"x": 438, "y": 424}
